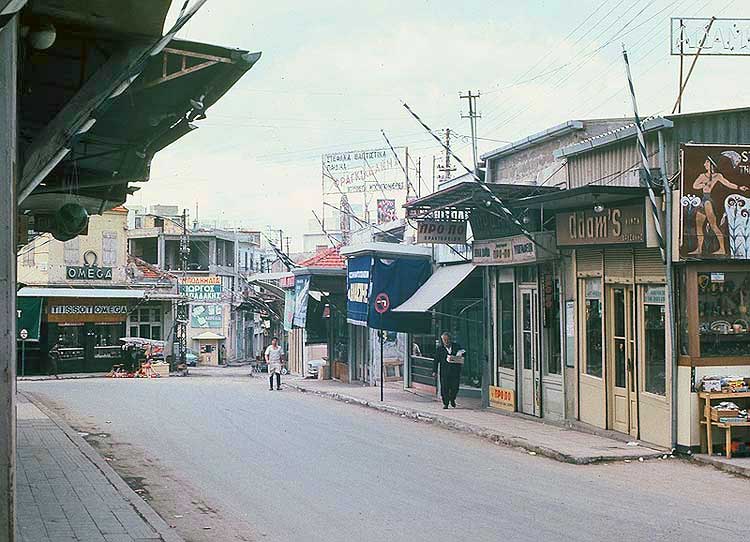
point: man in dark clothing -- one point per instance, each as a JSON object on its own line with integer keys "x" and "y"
{"x": 450, "y": 371}
{"x": 54, "y": 358}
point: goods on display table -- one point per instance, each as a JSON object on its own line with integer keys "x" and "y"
{"x": 143, "y": 358}
{"x": 726, "y": 414}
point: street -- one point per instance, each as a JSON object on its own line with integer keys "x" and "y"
{"x": 223, "y": 458}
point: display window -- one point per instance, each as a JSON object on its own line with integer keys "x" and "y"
{"x": 723, "y": 320}
{"x": 654, "y": 363}
{"x": 506, "y": 356}
{"x": 592, "y": 316}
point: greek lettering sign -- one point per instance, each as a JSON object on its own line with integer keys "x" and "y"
{"x": 89, "y": 270}
{"x": 622, "y": 225}
{"x": 514, "y": 250}
{"x": 447, "y": 233}
{"x": 201, "y": 288}
{"x": 362, "y": 171}
{"x": 503, "y": 398}
{"x": 727, "y": 37}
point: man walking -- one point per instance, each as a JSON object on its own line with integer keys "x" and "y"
{"x": 274, "y": 359}
{"x": 54, "y": 358}
{"x": 449, "y": 359}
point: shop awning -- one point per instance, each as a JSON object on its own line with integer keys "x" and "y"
{"x": 82, "y": 293}
{"x": 439, "y": 285}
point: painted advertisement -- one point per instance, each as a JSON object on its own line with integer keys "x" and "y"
{"x": 206, "y": 316}
{"x": 715, "y": 203}
{"x": 201, "y": 288}
{"x": 301, "y": 293}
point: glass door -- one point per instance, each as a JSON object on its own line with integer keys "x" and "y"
{"x": 529, "y": 351}
{"x": 621, "y": 349}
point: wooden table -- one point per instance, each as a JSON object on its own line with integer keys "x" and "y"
{"x": 707, "y": 397}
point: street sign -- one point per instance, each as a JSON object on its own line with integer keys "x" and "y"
{"x": 382, "y": 303}
{"x": 24, "y": 334}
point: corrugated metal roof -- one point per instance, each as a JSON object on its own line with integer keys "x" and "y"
{"x": 555, "y": 131}
{"x": 618, "y": 134}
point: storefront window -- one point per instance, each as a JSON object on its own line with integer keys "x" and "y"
{"x": 655, "y": 363}
{"x": 552, "y": 324}
{"x": 526, "y": 331}
{"x": 423, "y": 346}
{"x": 506, "y": 356}
{"x": 593, "y": 321}
{"x": 723, "y": 319}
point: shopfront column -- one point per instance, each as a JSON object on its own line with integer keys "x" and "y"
{"x": 8, "y": 169}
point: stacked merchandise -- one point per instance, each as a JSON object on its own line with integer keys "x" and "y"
{"x": 725, "y": 384}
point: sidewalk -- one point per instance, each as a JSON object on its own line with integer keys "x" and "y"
{"x": 66, "y": 492}
{"x": 536, "y": 437}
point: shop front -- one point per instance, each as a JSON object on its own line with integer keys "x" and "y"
{"x": 87, "y": 323}
{"x": 525, "y": 324}
{"x": 714, "y": 293}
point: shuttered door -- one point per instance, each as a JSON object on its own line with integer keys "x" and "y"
{"x": 588, "y": 262}
{"x": 618, "y": 265}
{"x": 649, "y": 267}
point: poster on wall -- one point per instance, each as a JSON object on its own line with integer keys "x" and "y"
{"x": 386, "y": 210}
{"x": 358, "y": 289}
{"x": 715, "y": 202}
{"x": 301, "y": 292}
{"x": 206, "y": 316}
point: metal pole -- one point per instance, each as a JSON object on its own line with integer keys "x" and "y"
{"x": 670, "y": 293}
{"x": 8, "y": 178}
{"x": 488, "y": 351}
{"x": 692, "y": 65}
{"x": 682, "y": 63}
{"x": 382, "y": 369}
{"x": 23, "y": 358}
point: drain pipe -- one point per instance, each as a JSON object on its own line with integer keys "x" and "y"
{"x": 672, "y": 335}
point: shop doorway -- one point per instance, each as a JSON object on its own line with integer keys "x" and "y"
{"x": 529, "y": 359}
{"x": 621, "y": 363}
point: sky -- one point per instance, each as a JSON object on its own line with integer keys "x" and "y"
{"x": 333, "y": 74}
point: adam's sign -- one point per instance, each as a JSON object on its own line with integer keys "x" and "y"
{"x": 622, "y": 225}
{"x": 89, "y": 270}
{"x": 447, "y": 233}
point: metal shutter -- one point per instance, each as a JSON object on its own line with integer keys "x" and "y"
{"x": 649, "y": 266}
{"x": 618, "y": 265}
{"x": 588, "y": 262}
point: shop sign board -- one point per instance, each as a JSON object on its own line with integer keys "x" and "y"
{"x": 358, "y": 276}
{"x": 370, "y": 170}
{"x": 206, "y": 316}
{"x": 514, "y": 250}
{"x": 301, "y": 293}
{"x": 503, "y": 398}
{"x": 89, "y": 270}
{"x": 655, "y": 295}
{"x": 201, "y": 288}
{"x": 441, "y": 232}
{"x": 288, "y": 310}
{"x": 616, "y": 225}
{"x": 726, "y": 37}
{"x": 64, "y": 310}
{"x": 29, "y": 316}
{"x": 715, "y": 202}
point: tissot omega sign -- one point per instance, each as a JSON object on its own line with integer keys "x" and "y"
{"x": 89, "y": 270}
{"x": 617, "y": 225}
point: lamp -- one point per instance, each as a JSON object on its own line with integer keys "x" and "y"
{"x": 598, "y": 206}
{"x": 42, "y": 36}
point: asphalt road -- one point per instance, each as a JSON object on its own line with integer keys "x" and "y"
{"x": 225, "y": 459}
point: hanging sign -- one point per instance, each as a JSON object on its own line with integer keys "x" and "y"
{"x": 620, "y": 225}
{"x": 358, "y": 274}
{"x": 89, "y": 270}
{"x": 301, "y": 293}
{"x": 442, "y": 232}
{"x": 288, "y": 310}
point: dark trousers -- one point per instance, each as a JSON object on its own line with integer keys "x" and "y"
{"x": 52, "y": 366}
{"x": 450, "y": 376}
{"x": 278, "y": 381}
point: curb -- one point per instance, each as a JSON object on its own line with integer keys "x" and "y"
{"x": 131, "y": 497}
{"x": 43, "y": 378}
{"x": 478, "y": 431}
{"x": 720, "y": 465}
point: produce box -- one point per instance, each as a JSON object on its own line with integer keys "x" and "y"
{"x": 718, "y": 413}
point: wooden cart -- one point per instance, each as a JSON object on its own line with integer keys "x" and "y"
{"x": 707, "y": 398}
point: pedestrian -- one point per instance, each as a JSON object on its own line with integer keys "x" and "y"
{"x": 449, "y": 360}
{"x": 54, "y": 357}
{"x": 274, "y": 359}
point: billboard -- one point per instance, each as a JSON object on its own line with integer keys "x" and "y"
{"x": 201, "y": 288}
{"x": 715, "y": 202}
{"x": 358, "y": 271}
{"x": 727, "y": 37}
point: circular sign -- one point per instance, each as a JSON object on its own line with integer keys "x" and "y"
{"x": 24, "y": 334}
{"x": 382, "y": 303}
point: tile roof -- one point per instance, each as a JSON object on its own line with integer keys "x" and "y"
{"x": 330, "y": 258}
{"x": 148, "y": 271}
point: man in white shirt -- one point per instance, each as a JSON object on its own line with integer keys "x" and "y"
{"x": 274, "y": 359}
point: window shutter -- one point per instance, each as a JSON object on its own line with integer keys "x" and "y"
{"x": 649, "y": 266}
{"x": 588, "y": 262}
{"x": 109, "y": 248}
{"x": 618, "y": 265}
{"x": 71, "y": 251}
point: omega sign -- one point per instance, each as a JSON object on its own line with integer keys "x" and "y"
{"x": 89, "y": 270}
{"x": 613, "y": 226}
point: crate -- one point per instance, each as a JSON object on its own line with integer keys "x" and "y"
{"x": 718, "y": 413}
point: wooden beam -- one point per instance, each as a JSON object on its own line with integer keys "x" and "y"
{"x": 177, "y": 74}
{"x": 202, "y": 56}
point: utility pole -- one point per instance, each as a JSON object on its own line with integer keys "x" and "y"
{"x": 419, "y": 176}
{"x": 287, "y": 244}
{"x": 472, "y": 116}
{"x": 182, "y": 306}
{"x": 446, "y": 168}
{"x": 406, "y": 172}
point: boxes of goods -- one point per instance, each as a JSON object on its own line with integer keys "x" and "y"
{"x": 733, "y": 384}
{"x": 162, "y": 369}
{"x": 711, "y": 383}
{"x": 726, "y": 409}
